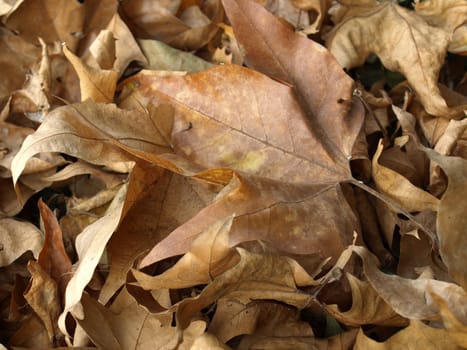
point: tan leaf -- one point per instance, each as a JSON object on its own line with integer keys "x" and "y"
{"x": 414, "y": 337}
{"x": 103, "y": 50}
{"x": 265, "y": 318}
{"x": 409, "y": 298}
{"x": 397, "y": 187}
{"x": 321, "y": 7}
{"x": 255, "y": 277}
{"x": 128, "y": 325}
{"x": 17, "y": 237}
{"x": 96, "y": 84}
{"x": 401, "y": 46}
{"x": 90, "y": 245}
{"x": 208, "y": 257}
{"x": 455, "y": 327}
{"x": 87, "y": 131}
{"x": 193, "y": 29}
{"x": 44, "y": 298}
{"x": 367, "y": 307}
{"x": 446, "y": 14}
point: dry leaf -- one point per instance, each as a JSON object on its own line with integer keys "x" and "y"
{"x": 397, "y": 187}
{"x": 401, "y": 46}
{"x": 96, "y": 84}
{"x": 17, "y": 237}
{"x": 414, "y": 337}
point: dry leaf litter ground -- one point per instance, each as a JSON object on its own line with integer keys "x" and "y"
{"x": 233, "y": 174}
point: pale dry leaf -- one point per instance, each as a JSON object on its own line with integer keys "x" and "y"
{"x": 451, "y": 15}
{"x": 43, "y": 296}
{"x": 16, "y": 238}
{"x": 95, "y": 84}
{"x": 398, "y": 188}
{"x": 402, "y": 46}
{"x": 126, "y": 47}
{"x": 410, "y": 297}
{"x": 416, "y": 336}
{"x": 90, "y": 245}
{"x": 103, "y": 50}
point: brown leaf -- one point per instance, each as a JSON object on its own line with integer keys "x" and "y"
{"x": 193, "y": 29}
{"x": 53, "y": 258}
{"x": 402, "y": 47}
{"x": 275, "y": 50}
{"x": 397, "y": 187}
{"x": 255, "y": 277}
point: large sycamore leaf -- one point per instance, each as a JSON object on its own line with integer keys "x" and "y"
{"x": 323, "y": 89}
{"x": 406, "y": 44}
{"x": 230, "y": 116}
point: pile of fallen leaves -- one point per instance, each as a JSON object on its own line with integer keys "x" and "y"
{"x": 233, "y": 174}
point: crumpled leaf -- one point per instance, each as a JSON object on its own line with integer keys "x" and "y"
{"x": 43, "y": 296}
{"x": 401, "y": 46}
{"x": 367, "y": 307}
{"x": 397, "y": 187}
{"x": 193, "y": 28}
{"x": 90, "y": 245}
{"x": 255, "y": 277}
{"x": 411, "y": 298}
{"x": 129, "y": 325}
{"x": 447, "y": 14}
{"x": 321, "y": 7}
{"x": 17, "y": 237}
{"x": 416, "y": 336}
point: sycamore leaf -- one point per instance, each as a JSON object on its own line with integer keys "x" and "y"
{"x": 150, "y": 220}
{"x": 324, "y": 91}
{"x": 402, "y": 46}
